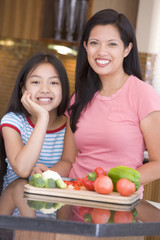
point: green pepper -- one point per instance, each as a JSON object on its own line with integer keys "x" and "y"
{"x": 124, "y": 172}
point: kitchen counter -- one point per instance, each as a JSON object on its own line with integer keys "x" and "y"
{"x": 17, "y": 213}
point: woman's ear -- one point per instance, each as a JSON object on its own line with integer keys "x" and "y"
{"x": 84, "y": 45}
{"x": 128, "y": 49}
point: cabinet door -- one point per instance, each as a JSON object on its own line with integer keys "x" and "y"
{"x": 21, "y": 19}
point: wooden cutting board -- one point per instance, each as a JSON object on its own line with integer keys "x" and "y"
{"x": 80, "y": 202}
{"x": 82, "y": 194}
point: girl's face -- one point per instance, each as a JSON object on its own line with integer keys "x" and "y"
{"x": 106, "y": 50}
{"x": 44, "y": 85}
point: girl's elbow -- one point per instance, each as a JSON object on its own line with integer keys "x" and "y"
{"x": 22, "y": 172}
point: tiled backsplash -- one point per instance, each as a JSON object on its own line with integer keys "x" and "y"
{"x": 13, "y": 54}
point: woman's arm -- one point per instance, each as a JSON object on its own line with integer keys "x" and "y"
{"x": 150, "y": 127}
{"x": 64, "y": 166}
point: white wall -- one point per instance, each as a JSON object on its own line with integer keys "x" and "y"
{"x": 148, "y": 26}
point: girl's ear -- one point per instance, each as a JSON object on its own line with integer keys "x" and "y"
{"x": 128, "y": 49}
{"x": 23, "y": 89}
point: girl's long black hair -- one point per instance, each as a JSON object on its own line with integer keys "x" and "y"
{"x": 87, "y": 81}
{"x": 15, "y": 104}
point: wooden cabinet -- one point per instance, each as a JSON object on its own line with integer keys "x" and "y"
{"x": 21, "y": 18}
{"x": 152, "y": 191}
{"x": 29, "y": 19}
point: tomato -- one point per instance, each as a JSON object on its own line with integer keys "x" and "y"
{"x": 100, "y": 215}
{"x": 103, "y": 185}
{"x": 123, "y": 217}
{"x": 99, "y": 171}
{"x": 125, "y": 187}
{"x": 88, "y": 184}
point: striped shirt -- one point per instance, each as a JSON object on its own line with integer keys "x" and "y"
{"x": 52, "y": 146}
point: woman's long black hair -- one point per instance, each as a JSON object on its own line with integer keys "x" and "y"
{"x": 15, "y": 104}
{"x": 87, "y": 81}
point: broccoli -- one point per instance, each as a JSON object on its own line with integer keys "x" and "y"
{"x": 44, "y": 207}
{"x": 53, "y": 209}
{"x": 50, "y": 183}
{"x": 60, "y": 183}
{"x": 31, "y": 180}
{"x": 58, "y": 205}
{"x": 37, "y": 180}
{"x": 48, "y": 179}
{"x": 54, "y": 175}
{"x": 36, "y": 205}
{"x": 48, "y": 205}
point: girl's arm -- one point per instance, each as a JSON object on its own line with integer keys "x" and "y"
{"x": 150, "y": 127}
{"x": 64, "y": 166}
{"x": 12, "y": 197}
{"x": 24, "y": 157}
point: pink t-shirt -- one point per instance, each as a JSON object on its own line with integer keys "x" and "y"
{"x": 108, "y": 132}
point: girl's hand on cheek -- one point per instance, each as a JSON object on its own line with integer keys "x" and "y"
{"x": 32, "y": 107}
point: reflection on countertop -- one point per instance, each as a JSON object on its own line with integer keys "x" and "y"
{"x": 61, "y": 215}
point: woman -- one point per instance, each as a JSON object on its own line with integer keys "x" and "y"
{"x": 113, "y": 115}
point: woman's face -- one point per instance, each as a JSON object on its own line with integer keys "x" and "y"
{"x": 105, "y": 50}
{"x": 44, "y": 85}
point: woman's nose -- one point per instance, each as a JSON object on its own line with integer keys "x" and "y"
{"x": 103, "y": 49}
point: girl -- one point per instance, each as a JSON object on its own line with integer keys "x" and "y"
{"x": 34, "y": 124}
{"x": 113, "y": 115}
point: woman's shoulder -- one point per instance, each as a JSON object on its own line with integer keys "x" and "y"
{"x": 141, "y": 87}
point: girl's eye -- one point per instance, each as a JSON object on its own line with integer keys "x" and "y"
{"x": 54, "y": 83}
{"x": 35, "y": 82}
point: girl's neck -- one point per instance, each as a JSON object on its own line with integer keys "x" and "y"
{"x": 112, "y": 84}
{"x": 55, "y": 121}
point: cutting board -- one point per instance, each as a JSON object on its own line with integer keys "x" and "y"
{"x": 80, "y": 202}
{"x": 83, "y": 194}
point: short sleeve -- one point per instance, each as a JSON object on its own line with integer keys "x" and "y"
{"x": 12, "y": 120}
{"x": 148, "y": 100}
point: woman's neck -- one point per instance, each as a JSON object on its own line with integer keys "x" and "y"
{"x": 112, "y": 84}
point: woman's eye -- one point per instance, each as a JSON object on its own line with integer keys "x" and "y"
{"x": 93, "y": 43}
{"x": 112, "y": 44}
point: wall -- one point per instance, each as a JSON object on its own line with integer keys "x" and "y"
{"x": 127, "y": 7}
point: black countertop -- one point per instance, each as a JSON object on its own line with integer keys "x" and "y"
{"x": 138, "y": 219}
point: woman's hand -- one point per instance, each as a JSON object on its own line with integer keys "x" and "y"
{"x": 40, "y": 168}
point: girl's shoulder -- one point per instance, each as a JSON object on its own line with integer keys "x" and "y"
{"x": 11, "y": 116}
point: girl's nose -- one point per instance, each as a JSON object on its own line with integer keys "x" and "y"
{"x": 45, "y": 88}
